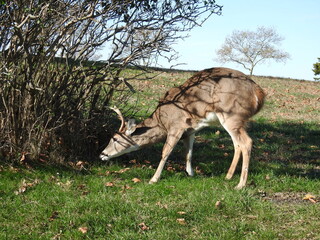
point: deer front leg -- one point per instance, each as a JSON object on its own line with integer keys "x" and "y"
{"x": 171, "y": 142}
{"x": 188, "y": 144}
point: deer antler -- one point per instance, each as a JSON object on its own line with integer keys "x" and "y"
{"x": 120, "y": 117}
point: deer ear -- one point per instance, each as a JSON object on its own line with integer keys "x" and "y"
{"x": 131, "y": 127}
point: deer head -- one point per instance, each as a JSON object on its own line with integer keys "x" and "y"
{"x": 122, "y": 141}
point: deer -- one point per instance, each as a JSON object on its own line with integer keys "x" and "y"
{"x": 215, "y": 95}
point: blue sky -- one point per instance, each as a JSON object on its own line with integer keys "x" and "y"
{"x": 297, "y": 21}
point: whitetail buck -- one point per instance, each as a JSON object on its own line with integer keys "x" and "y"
{"x": 212, "y": 95}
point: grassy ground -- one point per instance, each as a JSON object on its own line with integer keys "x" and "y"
{"x": 114, "y": 201}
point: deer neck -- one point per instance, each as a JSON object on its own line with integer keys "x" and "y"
{"x": 148, "y": 132}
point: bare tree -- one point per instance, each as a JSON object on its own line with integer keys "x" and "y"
{"x": 249, "y": 48}
{"x": 49, "y": 88}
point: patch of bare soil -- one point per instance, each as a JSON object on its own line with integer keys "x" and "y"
{"x": 289, "y": 198}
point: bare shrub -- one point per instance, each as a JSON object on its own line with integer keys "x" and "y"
{"x": 53, "y": 97}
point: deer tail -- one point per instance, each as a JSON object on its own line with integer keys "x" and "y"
{"x": 259, "y": 98}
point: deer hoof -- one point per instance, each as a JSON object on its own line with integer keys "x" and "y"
{"x": 239, "y": 186}
{"x": 229, "y": 176}
{"x": 152, "y": 182}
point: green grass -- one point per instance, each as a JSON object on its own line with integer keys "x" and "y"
{"x": 101, "y": 199}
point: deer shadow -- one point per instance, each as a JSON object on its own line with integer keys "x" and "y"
{"x": 286, "y": 148}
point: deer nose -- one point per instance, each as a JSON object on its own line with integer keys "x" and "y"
{"x": 104, "y": 157}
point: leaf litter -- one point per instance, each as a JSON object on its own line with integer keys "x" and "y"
{"x": 24, "y": 186}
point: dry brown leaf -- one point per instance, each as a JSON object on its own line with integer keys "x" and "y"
{"x": 83, "y": 230}
{"x": 25, "y": 185}
{"x": 181, "y": 221}
{"x": 125, "y": 187}
{"x": 109, "y": 184}
{"x": 171, "y": 169}
{"x": 65, "y": 185}
{"x": 117, "y": 172}
{"x": 122, "y": 170}
{"x": 310, "y": 197}
{"x": 165, "y": 206}
{"x": 79, "y": 163}
{"x": 136, "y": 180}
{"x": 218, "y": 204}
{"x": 143, "y": 226}
{"x": 181, "y": 213}
{"x": 23, "y": 158}
{"x": 53, "y": 216}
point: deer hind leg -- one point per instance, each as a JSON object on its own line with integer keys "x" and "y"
{"x": 172, "y": 140}
{"x": 235, "y": 160}
{"x": 242, "y": 146}
{"x": 188, "y": 144}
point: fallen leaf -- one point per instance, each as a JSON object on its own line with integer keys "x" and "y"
{"x": 218, "y": 204}
{"x": 136, "y": 180}
{"x": 143, "y": 226}
{"x": 109, "y": 184}
{"x": 66, "y": 184}
{"x": 25, "y": 185}
{"x": 165, "y": 206}
{"x": 83, "y": 230}
{"x": 82, "y": 186}
{"x": 23, "y": 158}
{"x": 199, "y": 171}
{"x": 20, "y": 190}
{"x": 181, "y": 213}
{"x": 53, "y": 216}
{"x": 125, "y": 187}
{"x": 310, "y": 197}
{"x": 79, "y": 163}
{"x": 181, "y": 221}
{"x": 122, "y": 170}
{"x": 133, "y": 161}
{"x": 171, "y": 169}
